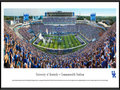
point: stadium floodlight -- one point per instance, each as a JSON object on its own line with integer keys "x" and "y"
{"x": 14, "y": 19}
{"x": 32, "y": 17}
{"x": 18, "y": 19}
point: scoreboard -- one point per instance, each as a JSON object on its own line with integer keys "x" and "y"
{"x": 26, "y": 17}
{"x": 93, "y": 17}
{"x": 59, "y": 13}
{"x": 45, "y": 13}
{"x": 73, "y": 14}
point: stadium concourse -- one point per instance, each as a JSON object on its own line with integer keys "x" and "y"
{"x": 21, "y": 54}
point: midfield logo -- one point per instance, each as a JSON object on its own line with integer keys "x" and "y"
{"x": 113, "y": 74}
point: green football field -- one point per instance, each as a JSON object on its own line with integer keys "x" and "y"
{"x": 61, "y": 42}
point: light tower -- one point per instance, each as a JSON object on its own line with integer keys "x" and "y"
{"x": 32, "y": 17}
{"x": 18, "y": 19}
{"x": 14, "y": 19}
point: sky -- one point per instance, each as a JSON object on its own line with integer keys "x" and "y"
{"x": 78, "y": 11}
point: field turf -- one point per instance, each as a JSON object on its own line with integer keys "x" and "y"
{"x": 61, "y": 42}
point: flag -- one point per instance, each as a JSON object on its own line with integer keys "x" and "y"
{"x": 46, "y": 30}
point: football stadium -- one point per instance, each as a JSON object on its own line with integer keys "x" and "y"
{"x": 59, "y": 40}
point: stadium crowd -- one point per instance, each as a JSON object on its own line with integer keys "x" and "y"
{"x": 69, "y": 29}
{"x": 99, "y": 54}
{"x": 89, "y": 31}
{"x": 59, "y": 20}
{"x": 24, "y": 32}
